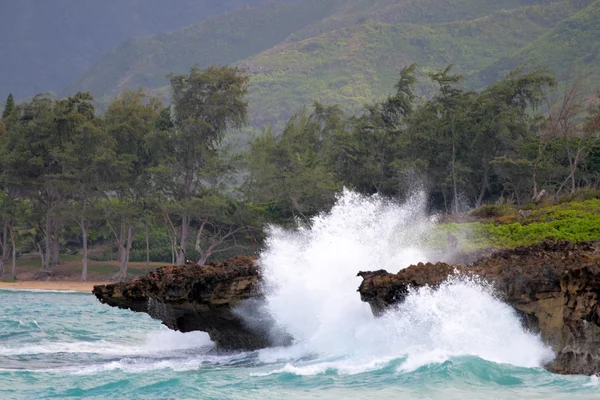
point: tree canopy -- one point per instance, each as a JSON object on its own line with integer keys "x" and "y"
{"x": 147, "y": 181}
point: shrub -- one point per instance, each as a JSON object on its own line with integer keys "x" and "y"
{"x": 490, "y": 211}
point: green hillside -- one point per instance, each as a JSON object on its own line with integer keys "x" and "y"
{"x": 224, "y": 39}
{"x": 47, "y": 43}
{"x": 571, "y": 48}
{"x": 354, "y": 65}
{"x": 350, "y": 52}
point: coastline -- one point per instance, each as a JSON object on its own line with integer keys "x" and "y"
{"x": 72, "y": 286}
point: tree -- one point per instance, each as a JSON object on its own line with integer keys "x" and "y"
{"x": 87, "y": 158}
{"x": 500, "y": 117}
{"x": 9, "y": 106}
{"x": 223, "y": 222}
{"x": 131, "y": 123}
{"x": 366, "y": 153}
{"x": 31, "y": 167}
{"x": 206, "y": 103}
{"x": 577, "y": 134}
{"x": 291, "y": 170}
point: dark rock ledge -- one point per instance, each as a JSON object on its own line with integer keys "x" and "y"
{"x": 554, "y": 286}
{"x": 195, "y": 298}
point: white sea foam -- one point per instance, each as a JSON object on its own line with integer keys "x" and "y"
{"x": 594, "y": 381}
{"x": 160, "y": 341}
{"x": 137, "y": 365}
{"x": 167, "y": 340}
{"x": 311, "y": 293}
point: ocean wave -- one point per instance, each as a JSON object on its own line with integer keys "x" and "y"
{"x": 155, "y": 342}
{"x": 311, "y": 286}
{"x": 42, "y": 290}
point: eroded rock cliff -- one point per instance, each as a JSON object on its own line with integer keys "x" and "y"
{"x": 197, "y": 298}
{"x": 554, "y": 286}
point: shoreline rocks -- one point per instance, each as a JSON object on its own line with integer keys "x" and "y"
{"x": 196, "y": 298}
{"x": 553, "y": 286}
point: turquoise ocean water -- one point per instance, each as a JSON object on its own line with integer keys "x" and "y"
{"x": 458, "y": 341}
{"x": 67, "y": 345}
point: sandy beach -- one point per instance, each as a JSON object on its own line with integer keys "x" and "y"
{"x": 84, "y": 287}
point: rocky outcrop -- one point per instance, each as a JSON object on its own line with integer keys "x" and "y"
{"x": 554, "y": 286}
{"x": 197, "y": 298}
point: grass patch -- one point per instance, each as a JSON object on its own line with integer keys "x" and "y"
{"x": 576, "y": 221}
{"x": 70, "y": 266}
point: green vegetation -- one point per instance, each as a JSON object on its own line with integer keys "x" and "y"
{"x": 71, "y": 177}
{"x": 354, "y": 65}
{"x": 45, "y": 45}
{"x": 348, "y": 52}
{"x": 570, "y": 48}
{"x": 465, "y": 148}
{"x": 145, "y": 176}
{"x": 575, "y": 221}
{"x": 221, "y": 40}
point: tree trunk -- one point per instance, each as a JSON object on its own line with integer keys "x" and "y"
{"x": 483, "y": 188}
{"x": 172, "y": 236}
{"x": 185, "y": 228}
{"x": 534, "y": 178}
{"x": 455, "y": 201}
{"x": 121, "y": 240}
{"x": 13, "y": 274}
{"x": 46, "y": 259}
{"x": 573, "y": 181}
{"x": 4, "y": 247}
{"x": 571, "y": 177}
{"x": 204, "y": 258}
{"x": 56, "y": 243}
{"x": 203, "y": 254}
{"x": 126, "y": 251}
{"x": 147, "y": 232}
{"x": 84, "y": 261}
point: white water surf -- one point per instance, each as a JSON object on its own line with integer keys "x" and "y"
{"x": 311, "y": 293}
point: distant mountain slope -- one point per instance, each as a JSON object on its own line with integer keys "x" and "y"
{"x": 570, "y": 48}
{"x": 354, "y": 65}
{"x": 220, "y": 40}
{"x": 350, "y": 51}
{"x": 409, "y": 11}
{"x": 45, "y": 44}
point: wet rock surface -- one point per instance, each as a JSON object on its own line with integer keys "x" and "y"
{"x": 554, "y": 286}
{"x": 197, "y": 298}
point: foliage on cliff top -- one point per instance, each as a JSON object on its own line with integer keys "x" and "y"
{"x": 575, "y": 221}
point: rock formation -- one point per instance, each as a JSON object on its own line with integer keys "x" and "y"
{"x": 197, "y": 298}
{"x": 554, "y": 286}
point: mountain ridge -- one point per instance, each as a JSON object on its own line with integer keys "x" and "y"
{"x": 46, "y": 44}
{"x": 349, "y": 52}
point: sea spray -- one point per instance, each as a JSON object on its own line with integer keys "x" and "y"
{"x": 462, "y": 317}
{"x": 310, "y": 273}
{"x": 311, "y": 284}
